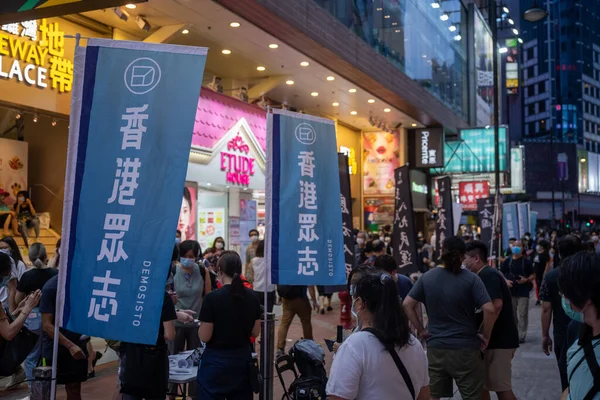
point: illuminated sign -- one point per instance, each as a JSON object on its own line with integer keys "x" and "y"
{"x": 41, "y": 47}
{"x": 470, "y": 192}
{"x": 351, "y": 153}
{"x": 238, "y": 167}
{"x": 416, "y": 188}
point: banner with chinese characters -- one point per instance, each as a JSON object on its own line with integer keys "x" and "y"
{"x": 485, "y": 212}
{"x": 404, "y": 248}
{"x": 470, "y": 192}
{"x": 303, "y": 212}
{"x": 523, "y": 218}
{"x": 133, "y": 114}
{"x": 444, "y": 221}
{"x": 510, "y": 223}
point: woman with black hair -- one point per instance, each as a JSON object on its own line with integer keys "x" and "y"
{"x": 8, "y": 292}
{"x": 579, "y": 282}
{"x": 229, "y": 317}
{"x": 451, "y": 295}
{"x": 25, "y": 217}
{"x": 370, "y": 364}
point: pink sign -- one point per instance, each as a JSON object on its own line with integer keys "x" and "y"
{"x": 238, "y": 167}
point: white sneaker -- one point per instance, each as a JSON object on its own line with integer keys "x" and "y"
{"x": 16, "y": 379}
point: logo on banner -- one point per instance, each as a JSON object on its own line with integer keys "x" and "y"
{"x": 305, "y": 134}
{"x": 142, "y": 75}
{"x": 238, "y": 167}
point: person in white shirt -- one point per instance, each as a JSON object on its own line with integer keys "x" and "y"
{"x": 363, "y": 367}
{"x": 256, "y": 274}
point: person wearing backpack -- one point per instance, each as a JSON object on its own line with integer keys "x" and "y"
{"x": 294, "y": 301}
{"x": 372, "y": 363}
{"x": 579, "y": 282}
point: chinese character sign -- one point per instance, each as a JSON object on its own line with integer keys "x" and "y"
{"x": 403, "y": 234}
{"x": 444, "y": 221}
{"x": 470, "y": 192}
{"x": 523, "y": 218}
{"x": 303, "y": 205}
{"x": 133, "y": 114}
{"x": 485, "y": 212}
{"x": 510, "y": 223}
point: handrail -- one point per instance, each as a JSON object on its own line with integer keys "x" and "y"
{"x": 47, "y": 189}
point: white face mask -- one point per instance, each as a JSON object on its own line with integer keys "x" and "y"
{"x": 254, "y": 238}
{"x": 360, "y": 241}
{"x": 219, "y": 245}
{"x": 353, "y": 310}
{"x": 6, "y": 251}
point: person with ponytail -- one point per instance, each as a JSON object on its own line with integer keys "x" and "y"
{"x": 31, "y": 282}
{"x": 229, "y": 317}
{"x": 451, "y": 294}
{"x": 579, "y": 283}
{"x": 382, "y": 360}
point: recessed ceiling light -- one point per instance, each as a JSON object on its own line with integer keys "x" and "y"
{"x": 273, "y": 46}
{"x": 452, "y": 28}
{"x": 387, "y": 110}
{"x": 353, "y": 112}
{"x": 260, "y": 68}
{"x": 304, "y": 63}
{"x": 331, "y": 78}
{"x": 226, "y": 51}
{"x": 185, "y": 31}
{"x": 289, "y": 82}
{"x": 234, "y": 24}
{"x": 131, "y": 6}
{"x": 314, "y": 94}
{"x": 352, "y": 90}
{"x": 413, "y": 124}
{"x": 335, "y": 104}
{"x": 209, "y": 184}
{"x": 371, "y": 101}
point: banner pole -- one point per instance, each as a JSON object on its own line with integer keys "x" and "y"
{"x": 265, "y": 327}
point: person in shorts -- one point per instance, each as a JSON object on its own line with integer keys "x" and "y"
{"x": 504, "y": 341}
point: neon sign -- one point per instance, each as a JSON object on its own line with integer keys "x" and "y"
{"x": 238, "y": 167}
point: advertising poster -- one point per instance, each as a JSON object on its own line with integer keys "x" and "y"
{"x": 484, "y": 79}
{"x": 378, "y": 212}
{"x": 13, "y": 168}
{"x": 380, "y": 160}
{"x": 248, "y": 221}
{"x": 404, "y": 249}
{"x": 187, "y": 221}
{"x": 211, "y": 225}
{"x": 304, "y": 214}
{"x": 234, "y": 231}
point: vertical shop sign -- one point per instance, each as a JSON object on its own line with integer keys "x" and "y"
{"x": 470, "y": 192}
{"x": 517, "y": 181}
{"x": 116, "y": 247}
{"x": 485, "y": 211}
{"x": 510, "y": 223}
{"x": 404, "y": 249}
{"x": 429, "y": 147}
{"x": 444, "y": 221}
{"x": 304, "y": 217}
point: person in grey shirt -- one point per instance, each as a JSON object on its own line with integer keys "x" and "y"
{"x": 451, "y": 294}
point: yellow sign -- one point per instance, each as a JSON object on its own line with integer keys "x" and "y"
{"x": 41, "y": 47}
{"x": 352, "y": 164}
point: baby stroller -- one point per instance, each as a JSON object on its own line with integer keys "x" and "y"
{"x": 306, "y": 360}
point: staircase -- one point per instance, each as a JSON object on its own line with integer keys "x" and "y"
{"x": 47, "y": 237}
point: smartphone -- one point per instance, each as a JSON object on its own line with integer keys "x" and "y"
{"x": 329, "y": 344}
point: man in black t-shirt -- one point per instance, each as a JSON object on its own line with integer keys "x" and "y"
{"x": 504, "y": 340}
{"x": 541, "y": 264}
{"x": 519, "y": 275}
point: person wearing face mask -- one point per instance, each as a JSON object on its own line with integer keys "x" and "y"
{"x": 542, "y": 263}
{"x": 579, "y": 282}
{"x": 387, "y": 240}
{"x": 177, "y": 237}
{"x": 219, "y": 246}
{"x": 361, "y": 241}
{"x": 519, "y": 275}
{"x": 25, "y": 217}
{"x": 251, "y": 249}
{"x": 382, "y": 360}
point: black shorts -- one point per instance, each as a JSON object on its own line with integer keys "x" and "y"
{"x": 70, "y": 370}
{"x": 3, "y": 218}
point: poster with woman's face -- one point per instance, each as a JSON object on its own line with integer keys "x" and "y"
{"x": 380, "y": 161}
{"x": 187, "y": 215}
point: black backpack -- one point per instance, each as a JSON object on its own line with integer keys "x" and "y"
{"x": 290, "y": 292}
{"x": 309, "y": 388}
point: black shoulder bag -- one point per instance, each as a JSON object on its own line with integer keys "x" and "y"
{"x": 397, "y": 361}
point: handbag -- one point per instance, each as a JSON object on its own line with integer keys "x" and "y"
{"x": 14, "y": 352}
{"x": 397, "y": 361}
{"x": 256, "y": 379}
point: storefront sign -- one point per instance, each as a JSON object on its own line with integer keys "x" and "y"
{"x": 404, "y": 249}
{"x": 470, "y": 192}
{"x": 125, "y": 173}
{"x": 351, "y": 154}
{"x": 485, "y": 211}
{"x": 380, "y": 161}
{"x": 419, "y": 189}
{"x": 304, "y": 215}
{"x": 13, "y": 168}
{"x": 236, "y": 163}
{"x": 429, "y": 148}
{"x": 35, "y": 55}
{"x": 445, "y": 221}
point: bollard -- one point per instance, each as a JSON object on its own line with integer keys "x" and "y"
{"x": 40, "y": 387}
{"x": 268, "y": 375}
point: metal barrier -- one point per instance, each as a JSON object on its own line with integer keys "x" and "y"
{"x": 268, "y": 374}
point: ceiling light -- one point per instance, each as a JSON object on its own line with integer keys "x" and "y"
{"x": 304, "y": 64}
{"x": 458, "y": 38}
{"x": 185, "y": 31}
{"x": 444, "y": 17}
{"x": 515, "y": 31}
{"x": 330, "y": 78}
{"x": 314, "y": 94}
{"x": 54, "y": 122}
{"x": 510, "y": 21}
{"x": 234, "y": 24}
{"x": 387, "y": 110}
{"x": 353, "y": 113}
{"x": 131, "y": 6}
{"x": 209, "y": 184}
{"x": 260, "y": 68}
{"x": 505, "y": 9}
{"x": 452, "y": 28}
{"x": 18, "y": 116}
{"x": 397, "y": 31}
{"x": 226, "y": 51}
{"x": 520, "y": 40}
{"x": 424, "y": 56}
{"x": 371, "y": 101}
{"x": 35, "y": 118}
{"x": 273, "y": 46}
{"x": 413, "y": 124}
{"x": 335, "y": 104}
{"x": 435, "y": 4}
{"x": 352, "y": 90}
{"x": 289, "y": 82}
{"x": 502, "y": 50}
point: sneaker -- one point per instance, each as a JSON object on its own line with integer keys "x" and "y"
{"x": 16, "y": 379}
{"x": 329, "y": 308}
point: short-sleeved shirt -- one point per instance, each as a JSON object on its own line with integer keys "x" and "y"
{"x": 540, "y": 260}
{"x": 35, "y": 279}
{"x": 549, "y": 292}
{"x": 189, "y": 288}
{"x": 451, "y": 300}
{"x": 232, "y": 318}
{"x": 363, "y": 369}
{"x": 513, "y": 270}
{"x": 16, "y": 272}
{"x": 168, "y": 314}
{"x": 578, "y": 371}
{"x": 404, "y": 285}
{"x": 505, "y": 334}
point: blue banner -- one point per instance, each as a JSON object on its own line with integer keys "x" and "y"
{"x": 533, "y": 216}
{"x": 524, "y": 219}
{"x": 132, "y": 116}
{"x": 510, "y": 223}
{"x": 305, "y": 243}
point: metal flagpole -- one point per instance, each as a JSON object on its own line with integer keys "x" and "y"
{"x": 265, "y": 326}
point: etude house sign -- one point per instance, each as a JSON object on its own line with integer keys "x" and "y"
{"x": 236, "y": 162}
